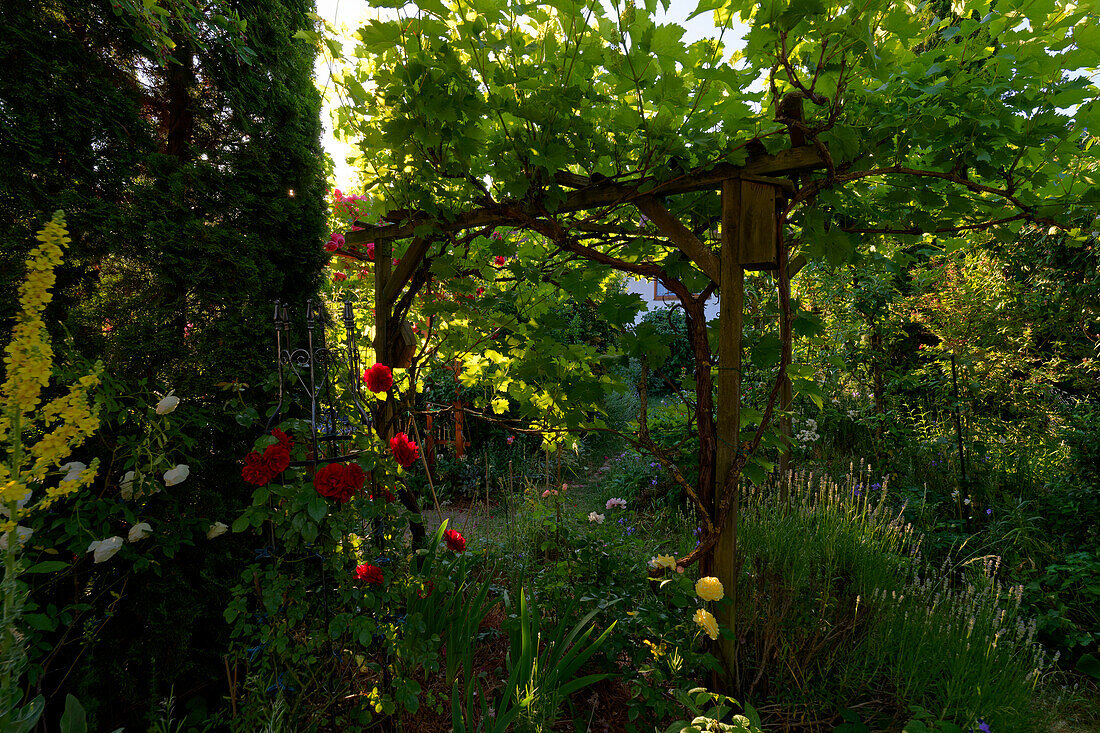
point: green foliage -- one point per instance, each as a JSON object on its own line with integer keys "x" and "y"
{"x": 544, "y": 665}
{"x": 713, "y": 717}
{"x": 168, "y": 167}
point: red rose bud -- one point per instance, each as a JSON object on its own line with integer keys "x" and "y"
{"x": 405, "y": 451}
{"x": 370, "y": 573}
{"x": 378, "y": 378}
{"x": 455, "y": 541}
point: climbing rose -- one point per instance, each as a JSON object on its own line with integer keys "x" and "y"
{"x": 709, "y": 589}
{"x": 663, "y": 561}
{"x": 103, "y": 550}
{"x": 139, "y": 532}
{"x": 370, "y": 573}
{"x": 405, "y": 451}
{"x": 255, "y": 470}
{"x": 339, "y": 481}
{"x": 707, "y": 622}
{"x": 500, "y": 260}
{"x": 370, "y": 251}
{"x": 176, "y": 475}
{"x": 378, "y": 378}
{"x": 283, "y": 438}
{"x": 167, "y": 404}
{"x": 454, "y": 540}
{"x": 276, "y": 458}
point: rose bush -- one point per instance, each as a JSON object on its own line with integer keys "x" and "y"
{"x": 404, "y": 451}
{"x": 379, "y": 378}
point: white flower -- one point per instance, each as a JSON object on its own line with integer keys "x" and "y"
{"x": 176, "y": 475}
{"x": 19, "y": 504}
{"x": 615, "y": 502}
{"x": 22, "y": 534}
{"x": 105, "y": 549}
{"x": 167, "y": 403}
{"x": 217, "y": 529}
{"x": 127, "y": 485}
{"x": 966, "y": 501}
{"x": 139, "y": 532}
{"x": 73, "y": 469}
{"x": 597, "y": 518}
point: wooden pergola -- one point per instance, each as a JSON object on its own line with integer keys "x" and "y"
{"x": 751, "y": 239}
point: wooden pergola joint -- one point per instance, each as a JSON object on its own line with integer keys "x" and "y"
{"x": 681, "y": 236}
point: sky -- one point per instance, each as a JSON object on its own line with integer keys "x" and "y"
{"x": 350, "y": 14}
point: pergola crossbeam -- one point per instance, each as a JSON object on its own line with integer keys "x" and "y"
{"x": 602, "y": 194}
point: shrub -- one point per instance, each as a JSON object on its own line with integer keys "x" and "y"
{"x": 836, "y": 609}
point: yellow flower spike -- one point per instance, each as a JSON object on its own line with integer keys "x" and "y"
{"x": 709, "y": 589}
{"x": 28, "y": 360}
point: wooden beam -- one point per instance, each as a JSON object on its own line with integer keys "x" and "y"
{"x": 681, "y": 236}
{"x": 406, "y": 266}
{"x": 607, "y": 193}
{"x": 382, "y": 262}
{"x": 757, "y": 244}
{"x": 731, "y": 296}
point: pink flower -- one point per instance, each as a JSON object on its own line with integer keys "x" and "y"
{"x": 337, "y": 195}
{"x": 340, "y": 276}
{"x": 370, "y": 251}
{"x": 511, "y": 439}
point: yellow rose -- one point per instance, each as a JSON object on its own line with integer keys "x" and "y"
{"x": 707, "y": 622}
{"x": 663, "y": 561}
{"x": 710, "y": 589}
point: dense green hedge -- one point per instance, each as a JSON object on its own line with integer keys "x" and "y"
{"x": 176, "y": 179}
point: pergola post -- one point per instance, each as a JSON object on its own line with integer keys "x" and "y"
{"x": 728, "y": 408}
{"x": 383, "y": 254}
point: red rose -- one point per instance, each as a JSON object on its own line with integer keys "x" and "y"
{"x": 455, "y": 541}
{"x": 339, "y": 481}
{"x": 283, "y": 438}
{"x": 370, "y": 573}
{"x": 276, "y": 458}
{"x": 255, "y": 471}
{"x": 378, "y": 378}
{"x": 405, "y": 451}
{"x": 500, "y": 260}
